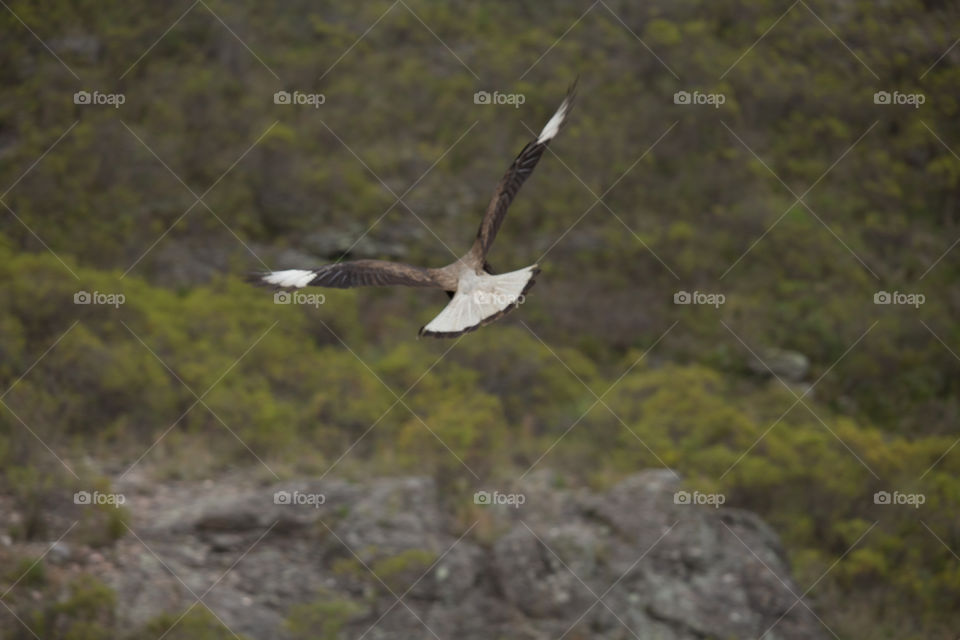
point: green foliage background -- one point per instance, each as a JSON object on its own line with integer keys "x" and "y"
{"x": 683, "y": 197}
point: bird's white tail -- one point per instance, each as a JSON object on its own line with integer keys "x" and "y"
{"x": 481, "y": 299}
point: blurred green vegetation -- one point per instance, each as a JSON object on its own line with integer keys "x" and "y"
{"x": 197, "y": 623}
{"x": 321, "y": 619}
{"x": 196, "y": 354}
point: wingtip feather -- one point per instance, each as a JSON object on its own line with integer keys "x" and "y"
{"x": 286, "y": 279}
{"x": 553, "y": 126}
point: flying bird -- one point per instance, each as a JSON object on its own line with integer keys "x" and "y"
{"x": 478, "y": 296}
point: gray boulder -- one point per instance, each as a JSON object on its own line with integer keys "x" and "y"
{"x": 791, "y": 366}
{"x": 393, "y": 562}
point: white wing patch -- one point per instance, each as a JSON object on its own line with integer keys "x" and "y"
{"x": 290, "y": 278}
{"x": 478, "y": 297}
{"x": 553, "y": 125}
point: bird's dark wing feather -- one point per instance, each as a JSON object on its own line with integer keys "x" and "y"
{"x": 355, "y": 273}
{"x": 371, "y": 273}
{"x": 513, "y": 179}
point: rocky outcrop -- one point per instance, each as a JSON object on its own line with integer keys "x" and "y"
{"x": 387, "y": 558}
{"x": 791, "y": 366}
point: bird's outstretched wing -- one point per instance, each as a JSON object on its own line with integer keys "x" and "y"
{"x": 356, "y": 273}
{"x": 513, "y": 179}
